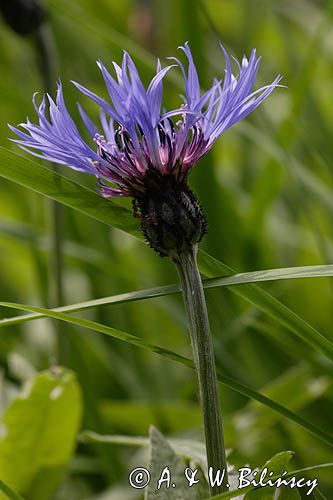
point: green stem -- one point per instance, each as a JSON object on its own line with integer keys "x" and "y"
{"x": 203, "y": 355}
{"x": 46, "y": 54}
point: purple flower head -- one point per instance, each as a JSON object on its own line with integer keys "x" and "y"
{"x": 143, "y": 152}
{"x": 135, "y": 138}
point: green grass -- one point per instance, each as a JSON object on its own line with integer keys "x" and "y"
{"x": 267, "y": 190}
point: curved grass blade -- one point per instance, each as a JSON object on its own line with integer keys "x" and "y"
{"x": 138, "y": 342}
{"x": 10, "y": 494}
{"x": 30, "y": 174}
{"x": 267, "y": 303}
{"x": 161, "y": 291}
{"x": 235, "y": 493}
{"x": 148, "y": 293}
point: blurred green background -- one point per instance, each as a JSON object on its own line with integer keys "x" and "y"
{"x": 267, "y": 191}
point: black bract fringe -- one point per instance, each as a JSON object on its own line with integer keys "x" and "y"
{"x": 172, "y": 219}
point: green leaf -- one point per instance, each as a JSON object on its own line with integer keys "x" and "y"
{"x": 276, "y": 464}
{"x": 9, "y": 493}
{"x": 138, "y": 342}
{"x": 38, "y": 433}
{"x": 163, "y": 455}
{"x": 31, "y": 175}
{"x": 279, "y": 462}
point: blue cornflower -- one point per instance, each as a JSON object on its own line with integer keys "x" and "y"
{"x": 139, "y": 148}
{"x": 134, "y": 136}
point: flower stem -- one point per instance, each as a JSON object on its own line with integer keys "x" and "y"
{"x": 203, "y": 355}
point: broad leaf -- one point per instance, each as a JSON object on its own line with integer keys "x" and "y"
{"x": 38, "y": 433}
{"x": 162, "y": 455}
{"x": 278, "y": 464}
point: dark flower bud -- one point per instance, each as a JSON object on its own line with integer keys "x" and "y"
{"x": 23, "y": 16}
{"x": 172, "y": 219}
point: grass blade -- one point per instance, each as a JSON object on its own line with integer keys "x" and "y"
{"x": 138, "y": 342}
{"x": 236, "y": 279}
{"x": 161, "y": 291}
{"x": 32, "y": 175}
{"x": 273, "y": 307}
{"x": 10, "y": 494}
